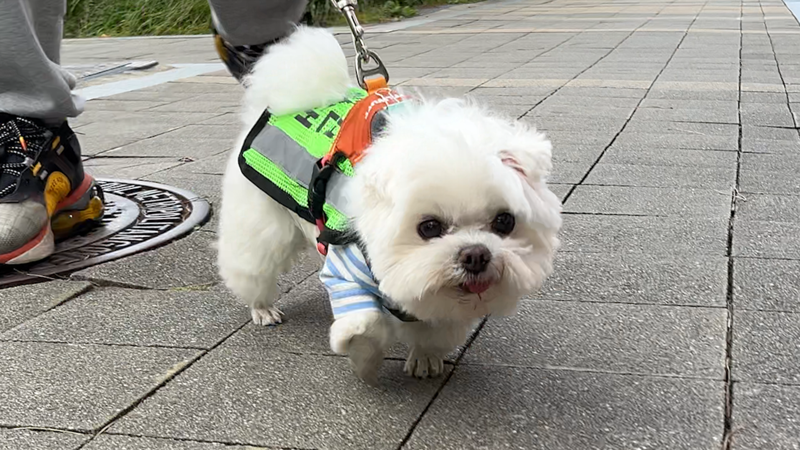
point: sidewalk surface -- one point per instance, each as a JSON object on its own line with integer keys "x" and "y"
{"x": 672, "y": 320}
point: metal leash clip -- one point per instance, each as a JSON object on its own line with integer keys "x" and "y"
{"x": 364, "y": 55}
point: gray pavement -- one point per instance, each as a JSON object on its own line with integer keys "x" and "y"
{"x": 672, "y": 321}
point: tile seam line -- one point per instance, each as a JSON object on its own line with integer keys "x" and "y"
{"x": 444, "y": 383}
{"x": 641, "y": 100}
{"x": 207, "y": 441}
{"x": 153, "y": 390}
{"x": 660, "y": 376}
{"x": 487, "y": 51}
{"x": 727, "y": 419}
{"x": 99, "y": 344}
{"x": 557, "y": 89}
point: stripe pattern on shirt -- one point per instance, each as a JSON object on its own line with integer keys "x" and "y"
{"x": 349, "y": 281}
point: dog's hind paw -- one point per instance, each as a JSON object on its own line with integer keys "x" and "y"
{"x": 266, "y": 316}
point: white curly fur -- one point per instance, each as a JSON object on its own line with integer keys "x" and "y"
{"x": 450, "y": 159}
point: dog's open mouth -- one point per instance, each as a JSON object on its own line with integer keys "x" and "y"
{"x": 475, "y": 287}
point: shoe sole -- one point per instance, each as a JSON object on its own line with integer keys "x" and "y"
{"x": 71, "y": 213}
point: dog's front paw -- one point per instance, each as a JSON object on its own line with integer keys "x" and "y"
{"x": 266, "y": 316}
{"x": 366, "y": 357}
{"x": 421, "y": 364}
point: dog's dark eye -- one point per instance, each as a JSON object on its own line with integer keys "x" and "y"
{"x": 503, "y": 224}
{"x": 430, "y": 228}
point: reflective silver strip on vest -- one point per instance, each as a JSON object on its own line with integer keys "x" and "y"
{"x": 284, "y": 151}
{"x": 298, "y": 164}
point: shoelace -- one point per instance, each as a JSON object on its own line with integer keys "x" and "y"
{"x": 20, "y": 141}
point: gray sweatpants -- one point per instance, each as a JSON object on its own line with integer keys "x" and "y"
{"x": 33, "y": 84}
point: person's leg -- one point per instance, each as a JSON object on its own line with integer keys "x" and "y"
{"x": 41, "y": 174}
{"x": 243, "y": 29}
{"x": 32, "y": 84}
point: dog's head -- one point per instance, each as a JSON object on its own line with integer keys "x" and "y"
{"x": 454, "y": 211}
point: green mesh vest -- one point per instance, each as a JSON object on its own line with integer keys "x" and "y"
{"x": 280, "y": 153}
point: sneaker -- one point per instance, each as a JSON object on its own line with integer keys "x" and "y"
{"x": 44, "y": 193}
{"x": 238, "y": 59}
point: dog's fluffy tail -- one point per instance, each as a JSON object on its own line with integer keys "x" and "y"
{"x": 307, "y": 70}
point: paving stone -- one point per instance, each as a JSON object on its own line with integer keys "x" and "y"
{"x": 599, "y": 125}
{"x": 763, "y": 97}
{"x": 202, "y": 104}
{"x": 569, "y": 172}
{"x": 644, "y": 235}
{"x": 622, "y": 153}
{"x": 549, "y": 110}
{"x": 765, "y": 417}
{"x": 165, "y": 147}
{"x": 644, "y": 339}
{"x": 25, "y": 302}
{"x": 769, "y": 173}
{"x": 192, "y": 264}
{"x": 78, "y": 387}
{"x": 678, "y": 94}
{"x": 632, "y": 137}
{"x": 784, "y": 181}
{"x": 687, "y": 115}
{"x": 728, "y": 107}
{"x": 223, "y": 119}
{"x": 16, "y": 439}
{"x": 197, "y": 141}
{"x": 142, "y": 95}
{"x": 770, "y": 133}
{"x": 281, "y": 400}
{"x": 128, "y": 127}
{"x": 775, "y": 208}
{"x": 172, "y": 318}
{"x": 599, "y": 103}
{"x": 689, "y": 129}
{"x": 186, "y": 262}
{"x": 767, "y": 114}
{"x": 766, "y": 347}
{"x": 307, "y": 319}
{"x": 128, "y": 168}
{"x": 111, "y": 442}
{"x": 692, "y": 280}
{"x": 559, "y": 189}
{"x": 473, "y": 72}
{"x": 112, "y": 104}
{"x": 715, "y": 178}
{"x": 205, "y": 186}
{"x": 571, "y": 137}
{"x": 649, "y": 201}
{"x": 514, "y": 93}
{"x": 762, "y": 239}
{"x": 504, "y": 407}
{"x": 763, "y": 284}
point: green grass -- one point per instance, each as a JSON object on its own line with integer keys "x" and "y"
{"x": 136, "y": 17}
{"x": 376, "y": 11}
{"x": 88, "y": 18}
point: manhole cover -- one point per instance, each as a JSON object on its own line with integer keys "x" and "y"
{"x": 139, "y": 216}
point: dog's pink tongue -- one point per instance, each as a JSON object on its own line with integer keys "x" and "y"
{"x": 477, "y": 288}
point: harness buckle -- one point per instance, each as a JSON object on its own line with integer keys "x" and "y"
{"x": 317, "y": 190}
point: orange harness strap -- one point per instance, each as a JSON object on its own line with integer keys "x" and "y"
{"x": 355, "y": 135}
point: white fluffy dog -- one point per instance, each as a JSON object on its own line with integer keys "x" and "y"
{"x": 451, "y": 207}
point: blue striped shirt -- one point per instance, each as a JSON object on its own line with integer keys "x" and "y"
{"x": 349, "y": 281}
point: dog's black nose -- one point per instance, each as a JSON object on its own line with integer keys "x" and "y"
{"x": 475, "y": 258}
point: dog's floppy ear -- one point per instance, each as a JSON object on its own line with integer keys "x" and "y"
{"x": 528, "y": 153}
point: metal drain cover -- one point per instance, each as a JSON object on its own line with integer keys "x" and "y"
{"x": 139, "y": 215}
